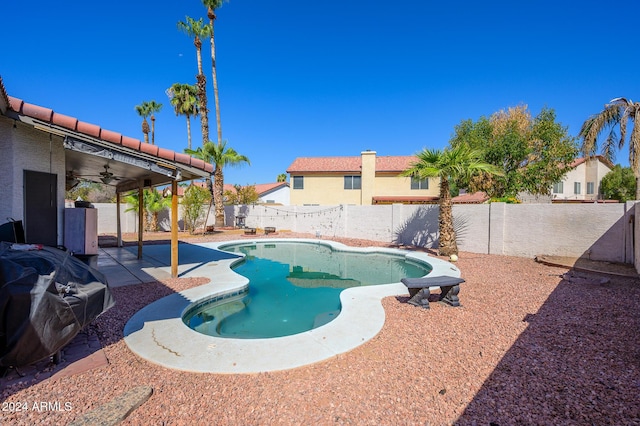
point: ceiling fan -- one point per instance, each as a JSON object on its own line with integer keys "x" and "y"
{"x": 106, "y": 177}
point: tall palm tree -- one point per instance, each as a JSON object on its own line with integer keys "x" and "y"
{"x": 144, "y": 112}
{"x": 153, "y": 108}
{"x": 211, "y": 6}
{"x": 184, "y": 98}
{"x": 198, "y": 29}
{"x": 220, "y": 156}
{"x": 617, "y": 113}
{"x": 282, "y": 177}
{"x": 448, "y": 165}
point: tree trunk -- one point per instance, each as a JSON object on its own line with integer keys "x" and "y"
{"x": 448, "y": 245}
{"x": 145, "y": 130}
{"x": 153, "y": 130}
{"x": 188, "y": 132}
{"x": 637, "y": 186}
{"x": 218, "y": 186}
{"x": 202, "y": 93}
{"x": 214, "y": 76}
{"x": 204, "y": 118}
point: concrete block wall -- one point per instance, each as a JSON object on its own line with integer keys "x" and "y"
{"x": 597, "y": 231}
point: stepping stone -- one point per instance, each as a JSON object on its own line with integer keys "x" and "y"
{"x": 116, "y": 410}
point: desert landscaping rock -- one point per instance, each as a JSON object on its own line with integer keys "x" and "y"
{"x": 526, "y": 347}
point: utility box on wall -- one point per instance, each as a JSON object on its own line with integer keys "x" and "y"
{"x": 81, "y": 230}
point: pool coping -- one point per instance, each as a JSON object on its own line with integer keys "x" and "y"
{"x": 157, "y": 333}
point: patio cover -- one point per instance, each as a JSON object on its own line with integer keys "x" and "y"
{"x": 89, "y": 147}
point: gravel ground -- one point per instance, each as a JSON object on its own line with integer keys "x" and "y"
{"x": 527, "y": 347}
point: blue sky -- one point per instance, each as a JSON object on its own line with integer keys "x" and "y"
{"x": 299, "y": 78}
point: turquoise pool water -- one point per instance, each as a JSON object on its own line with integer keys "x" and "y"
{"x": 294, "y": 287}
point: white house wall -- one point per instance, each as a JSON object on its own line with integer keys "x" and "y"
{"x": 279, "y": 196}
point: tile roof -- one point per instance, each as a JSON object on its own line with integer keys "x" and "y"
{"x": 601, "y": 158}
{"x": 471, "y": 198}
{"x": 4, "y": 98}
{"x": 48, "y": 116}
{"x": 349, "y": 164}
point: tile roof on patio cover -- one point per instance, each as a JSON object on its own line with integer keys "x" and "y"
{"x": 50, "y": 117}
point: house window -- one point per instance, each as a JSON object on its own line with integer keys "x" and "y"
{"x": 352, "y": 182}
{"x": 417, "y": 183}
{"x": 298, "y": 182}
{"x": 558, "y": 187}
{"x": 591, "y": 188}
{"x": 576, "y": 188}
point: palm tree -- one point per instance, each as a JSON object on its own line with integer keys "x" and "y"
{"x": 184, "y": 98}
{"x": 211, "y": 6}
{"x": 197, "y": 30}
{"x": 220, "y": 156}
{"x": 616, "y": 113}
{"x": 282, "y": 177}
{"x": 153, "y": 108}
{"x": 144, "y": 112}
{"x": 155, "y": 203}
{"x": 448, "y": 165}
{"x": 133, "y": 200}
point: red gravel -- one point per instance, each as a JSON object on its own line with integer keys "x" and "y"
{"x": 526, "y": 347}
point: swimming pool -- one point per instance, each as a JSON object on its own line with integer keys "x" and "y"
{"x": 294, "y": 287}
{"x": 158, "y": 334}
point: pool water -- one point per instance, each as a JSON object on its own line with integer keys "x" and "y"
{"x": 294, "y": 287}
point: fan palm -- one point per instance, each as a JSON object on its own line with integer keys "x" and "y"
{"x": 153, "y": 108}
{"x": 155, "y": 202}
{"x": 449, "y": 165}
{"x": 211, "y": 6}
{"x": 144, "y": 112}
{"x": 617, "y": 113}
{"x": 198, "y": 29}
{"x": 184, "y": 99}
{"x": 220, "y": 156}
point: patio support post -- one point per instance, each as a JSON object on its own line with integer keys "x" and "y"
{"x": 140, "y": 219}
{"x": 118, "y": 222}
{"x": 174, "y": 229}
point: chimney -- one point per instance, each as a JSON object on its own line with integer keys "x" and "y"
{"x": 368, "y": 177}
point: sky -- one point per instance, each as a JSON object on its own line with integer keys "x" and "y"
{"x": 306, "y": 79}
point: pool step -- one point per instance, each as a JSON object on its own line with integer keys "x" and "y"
{"x": 325, "y": 317}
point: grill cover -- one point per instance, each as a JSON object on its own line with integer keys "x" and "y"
{"x": 46, "y": 297}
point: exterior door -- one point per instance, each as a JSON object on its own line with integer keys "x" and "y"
{"x": 40, "y": 208}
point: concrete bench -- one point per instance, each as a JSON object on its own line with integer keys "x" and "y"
{"x": 269, "y": 230}
{"x": 249, "y": 231}
{"x": 419, "y": 290}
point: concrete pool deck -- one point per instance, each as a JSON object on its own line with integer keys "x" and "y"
{"x": 157, "y": 333}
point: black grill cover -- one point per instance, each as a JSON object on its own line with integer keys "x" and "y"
{"x": 46, "y": 297}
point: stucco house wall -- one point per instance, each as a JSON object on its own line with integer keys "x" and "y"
{"x": 281, "y": 195}
{"x": 25, "y": 148}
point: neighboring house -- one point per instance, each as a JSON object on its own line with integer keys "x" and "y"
{"x": 274, "y": 193}
{"x": 582, "y": 183}
{"x": 362, "y": 180}
{"x": 45, "y": 152}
